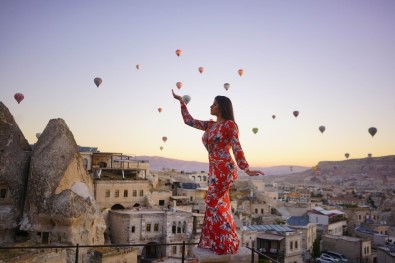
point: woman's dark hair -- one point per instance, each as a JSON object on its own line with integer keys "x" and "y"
{"x": 225, "y": 107}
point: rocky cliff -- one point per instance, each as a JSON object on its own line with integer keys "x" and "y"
{"x": 60, "y": 196}
{"x": 15, "y": 154}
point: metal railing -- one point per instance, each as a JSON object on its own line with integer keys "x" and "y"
{"x": 78, "y": 247}
{"x": 253, "y": 251}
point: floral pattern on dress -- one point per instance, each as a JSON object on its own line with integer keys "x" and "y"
{"x": 219, "y": 230}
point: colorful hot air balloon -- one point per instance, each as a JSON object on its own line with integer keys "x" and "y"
{"x": 241, "y": 72}
{"x": 255, "y": 130}
{"x": 98, "y": 81}
{"x": 296, "y": 113}
{"x": 322, "y": 129}
{"x": 164, "y": 138}
{"x": 179, "y": 85}
{"x": 178, "y": 52}
{"x": 160, "y": 109}
{"x": 347, "y": 155}
{"x": 372, "y": 131}
{"x": 201, "y": 69}
{"x": 138, "y": 66}
{"x": 273, "y": 117}
{"x": 186, "y": 99}
{"x": 226, "y": 86}
{"x": 19, "y": 97}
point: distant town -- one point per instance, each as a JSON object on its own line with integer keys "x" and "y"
{"x": 60, "y": 202}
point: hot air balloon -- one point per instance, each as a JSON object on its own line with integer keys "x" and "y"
{"x": 160, "y": 109}
{"x": 369, "y": 155}
{"x": 255, "y": 130}
{"x": 179, "y": 85}
{"x": 241, "y": 72}
{"x": 164, "y": 138}
{"x": 161, "y": 148}
{"x": 347, "y": 155}
{"x": 19, "y": 97}
{"x": 296, "y": 113}
{"x": 186, "y": 99}
{"x": 322, "y": 129}
{"x": 201, "y": 69}
{"x": 138, "y": 66}
{"x": 226, "y": 86}
{"x": 273, "y": 117}
{"x": 98, "y": 81}
{"x": 178, "y": 52}
{"x": 372, "y": 131}
{"x": 38, "y": 135}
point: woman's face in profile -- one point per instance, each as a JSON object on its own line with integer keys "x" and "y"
{"x": 214, "y": 109}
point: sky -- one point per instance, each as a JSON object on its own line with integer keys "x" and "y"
{"x": 333, "y": 61}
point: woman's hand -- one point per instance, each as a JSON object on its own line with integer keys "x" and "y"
{"x": 254, "y": 172}
{"x": 177, "y": 97}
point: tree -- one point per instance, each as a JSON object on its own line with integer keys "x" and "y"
{"x": 316, "y": 248}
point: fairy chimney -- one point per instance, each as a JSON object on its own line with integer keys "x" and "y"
{"x": 60, "y": 198}
{"x": 15, "y": 154}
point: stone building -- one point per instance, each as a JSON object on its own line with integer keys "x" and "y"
{"x": 355, "y": 249}
{"x": 121, "y": 194}
{"x": 152, "y": 227}
{"x": 308, "y": 230}
{"x": 275, "y": 241}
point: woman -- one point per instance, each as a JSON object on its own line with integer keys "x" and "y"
{"x": 219, "y": 230}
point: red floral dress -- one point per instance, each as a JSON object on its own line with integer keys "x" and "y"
{"x": 219, "y": 230}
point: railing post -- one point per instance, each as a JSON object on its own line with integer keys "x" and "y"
{"x": 76, "y": 254}
{"x": 252, "y": 255}
{"x": 183, "y": 252}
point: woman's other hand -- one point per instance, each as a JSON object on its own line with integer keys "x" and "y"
{"x": 177, "y": 97}
{"x": 254, "y": 172}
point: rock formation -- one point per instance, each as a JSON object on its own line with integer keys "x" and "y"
{"x": 15, "y": 153}
{"x": 60, "y": 198}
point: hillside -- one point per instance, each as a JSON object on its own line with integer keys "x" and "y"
{"x": 380, "y": 169}
{"x": 159, "y": 163}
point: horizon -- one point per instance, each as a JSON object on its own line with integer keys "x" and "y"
{"x": 333, "y": 61}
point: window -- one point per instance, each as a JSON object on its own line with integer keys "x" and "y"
{"x": 204, "y": 178}
{"x": 252, "y": 244}
{"x": 256, "y": 210}
{"x": 174, "y": 250}
{"x": 199, "y": 178}
{"x": 156, "y": 227}
{"x": 107, "y": 193}
{"x": 179, "y": 227}
{"x": 133, "y": 229}
{"x": 134, "y": 193}
{"x": 148, "y": 227}
{"x": 359, "y": 217}
{"x": 291, "y": 245}
{"x": 125, "y": 193}
{"x": 296, "y": 244}
{"x": 261, "y": 210}
{"x": 85, "y": 163}
{"x": 184, "y": 227}
{"x": 161, "y": 202}
{"x": 3, "y": 193}
{"x": 141, "y": 192}
{"x": 173, "y": 228}
{"x": 116, "y": 193}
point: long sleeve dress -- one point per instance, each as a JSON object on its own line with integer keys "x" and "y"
{"x": 219, "y": 230}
